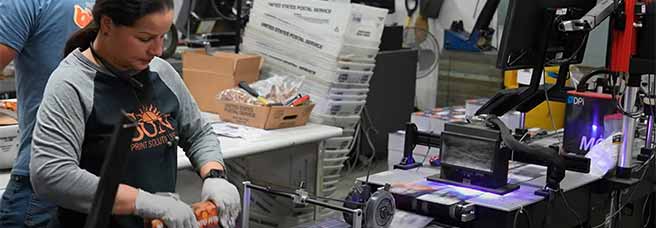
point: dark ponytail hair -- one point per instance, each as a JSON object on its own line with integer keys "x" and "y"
{"x": 122, "y": 13}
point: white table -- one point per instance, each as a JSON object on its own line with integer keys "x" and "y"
{"x": 234, "y": 148}
{"x": 276, "y": 139}
{"x": 4, "y": 179}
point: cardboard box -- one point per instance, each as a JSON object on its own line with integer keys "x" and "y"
{"x": 264, "y": 117}
{"x": 207, "y": 75}
{"x": 8, "y": 141}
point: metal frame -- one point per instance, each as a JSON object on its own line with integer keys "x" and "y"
{"x": 357, "y": 213}
{"x": 110, "y": 174}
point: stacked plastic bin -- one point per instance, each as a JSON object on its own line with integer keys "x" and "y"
{"x": 333, "y": 46}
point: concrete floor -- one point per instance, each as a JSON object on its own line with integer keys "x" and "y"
{"x": 348, "y": 178}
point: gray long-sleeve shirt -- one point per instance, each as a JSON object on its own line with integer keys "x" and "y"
{"x": 81, "y": 104}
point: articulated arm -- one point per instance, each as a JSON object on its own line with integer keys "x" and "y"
{"x": 592, "y": 19}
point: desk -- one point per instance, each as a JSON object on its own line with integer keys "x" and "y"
{"x": 282, "y": 158}
{"x": 295, "y": 149}
{"x": 276, "y": 139}
{"x": 583, "y": 192}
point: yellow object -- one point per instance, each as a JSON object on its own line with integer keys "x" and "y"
{"x": 539, "y": 116}
{"x": 263, "y": 100}
{"x": 421, "y": 25}
{"x": 510, "y": 79}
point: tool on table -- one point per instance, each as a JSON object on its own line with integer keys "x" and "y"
{"x": 372, "y": 210}
{"x": 243, "y": 85}
{"x": 301, "y": 101}
{"x": 291, "y": 100}
{"x": 9, "y": 105}
{"x": 207, "y": 215}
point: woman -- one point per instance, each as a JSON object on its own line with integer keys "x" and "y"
{"x": 112, "y": 65}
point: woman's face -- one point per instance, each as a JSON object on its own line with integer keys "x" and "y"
{"x": 133, "y": 47}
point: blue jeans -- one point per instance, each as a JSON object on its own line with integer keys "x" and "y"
{"x": 20, "y": 207}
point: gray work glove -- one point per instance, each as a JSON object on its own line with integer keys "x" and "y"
{"x": 226, "y": 198}
{"x": 168, "y": 208}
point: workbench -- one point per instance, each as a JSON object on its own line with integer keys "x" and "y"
{"x": 281, "y": 157}
{"x": 584, "y": 196}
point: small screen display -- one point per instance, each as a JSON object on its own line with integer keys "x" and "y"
{"x": 468, "y": 152}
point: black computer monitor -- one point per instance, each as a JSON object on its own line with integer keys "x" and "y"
{"x": 531, "y": 23}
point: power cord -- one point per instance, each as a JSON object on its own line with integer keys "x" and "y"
{"x": 546, "y": 96}
{"x": 574, "y": 54}
{"x": 618, "y": 105}
{"x": 565, "y": 201}
{"x": 642, "y": 177}
{"x": 644, "y": 208}
{"x": 528, "y": 217}
{"x": 424, "y": 160}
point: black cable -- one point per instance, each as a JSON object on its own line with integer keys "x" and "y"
{"x": 424, "y": 160}
{"x": 368, "y": 138}
{"x": 528, "y": 217}
{"x": 518, "y": 57}
{"x": 618, "y": 103}
{"x": 582, "y": 86}
{"x": 642, "y": 177}
{"x": 578, "y": 218}
{"x": 574, "y": 54}
{"x": 644, "y": 208}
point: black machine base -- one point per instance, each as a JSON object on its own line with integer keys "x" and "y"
{"x": 645, "y": 154}
{"x": 623, "y": 172}
{"x": 499, "y": 191}
{"x": 408, "y": 166}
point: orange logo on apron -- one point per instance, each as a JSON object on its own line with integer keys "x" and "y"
{"x": 82, "y": 16}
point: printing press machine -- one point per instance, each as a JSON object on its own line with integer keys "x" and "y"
{"x": 582, "y": 199}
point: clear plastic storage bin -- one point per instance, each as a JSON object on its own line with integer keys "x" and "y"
{"x": 337, "y": 143}
{"x": 337, "y": 121}
{"x": 338, "y": 108}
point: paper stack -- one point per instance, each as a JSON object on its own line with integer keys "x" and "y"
{"x": 333, "y": 45}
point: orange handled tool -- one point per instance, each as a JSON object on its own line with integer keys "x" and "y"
{"x": 11, "y": 105}
{"x": 207, "y": 215}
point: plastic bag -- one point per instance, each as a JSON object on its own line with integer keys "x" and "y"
{"x": 278, "y": 89}
{"x": 275, "y": 89}
{"x": 603, "y": 156}
{"x": 237, "y": 95}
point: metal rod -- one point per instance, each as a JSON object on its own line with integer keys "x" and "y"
{"x": 247, "y": 205}
{"x": 650, "y": 132}
{"x": 357, "y": 219}
{"x": 628, "y": 133}
{"x": 522, "y": 120}
{"x": 238, "y": 26}
{"x": 291, "y": 196}
{"x": 609, "y": 219}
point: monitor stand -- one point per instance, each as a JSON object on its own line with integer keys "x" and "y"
{"x": 499, "y": 191}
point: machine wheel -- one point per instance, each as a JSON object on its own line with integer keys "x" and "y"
{"x": 170, "y": 42}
